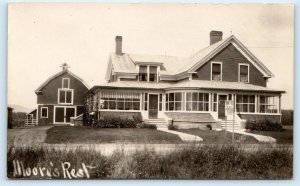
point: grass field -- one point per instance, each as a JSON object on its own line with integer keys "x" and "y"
{"x": 90, "y": 135}
{"x": 219, "y": 137}
{"x": 193, "y": 162}
{"x": 282, "y": 137}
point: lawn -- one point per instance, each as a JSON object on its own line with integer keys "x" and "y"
{"x": 90, "y": 135}
{"x": 26, "y": 135}
{"x": 219, "y": 137}
{"x": 282, "y": 137}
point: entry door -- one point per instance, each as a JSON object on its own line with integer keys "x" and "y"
{"x": 153, "y": 106}
{"x": 70, "y": 112}
{"x": 64, "y": 114}
{"x": 221, "y": 106}
{"x": 59, "y": 115}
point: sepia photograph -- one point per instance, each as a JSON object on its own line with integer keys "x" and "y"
{"x": 150, "y": 91}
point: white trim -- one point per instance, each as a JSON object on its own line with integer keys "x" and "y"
{"x": 54, "y": 113}
{"x": 59, "y": 74}
{"x": 241, "y": 48}
{"x": 58, "y": 96}
{"x": 63, "y": 83}
{"x": 211, "y": 65}
{"x": 184, "y": 111}
{"x": 42, "y": 112}
{"x": 239, "y": 75}
{"x": 107, "y": 110}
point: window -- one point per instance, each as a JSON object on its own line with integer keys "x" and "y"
{"x": 121, "y": 101}
{"x": 245, "y": 103}
{"x": 197, "y": 101}
{"x": 216, "y": 71}
{"x": 268, "y": 104}
{"x": 174, "y": 101}
{"x": 65, "y": 83}
{"x": 148, "y": 73}
{"x": 153, "y": 74}
{"x": 244, "y": 73}
{"x": 65, "y": 96}
{"x": 143, "y": 73}
{"x": 44, "y": 112}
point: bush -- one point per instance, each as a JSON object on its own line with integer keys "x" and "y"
{"x": 263, "y": 125}
{"x": 172, "y": 127}
{"x": 137, "y": 118}
{"x": 287, "y": 117}
{"x": 209, "y": 126}
{"x": 143, "y": 125}
{"x": 115, "y": 122}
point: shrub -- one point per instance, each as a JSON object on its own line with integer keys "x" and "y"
{"x": 263, "y": 125}
{"x": 143, "y": 125}
{"x": 172, "y": 127}
{"x": 115, "y": 122}
{"x": 287, "y": 117}
{"x": 137, "y": 118}
{"x": 209, "y": 126}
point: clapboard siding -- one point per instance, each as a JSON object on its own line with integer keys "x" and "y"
{"x": 128, "y": 115}
{"x": 49, "y": 120}
{"x": 230, "y": 58}
{"x": 49, "y": 93}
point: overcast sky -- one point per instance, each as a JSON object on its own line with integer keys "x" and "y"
{"x": 43, "y": 36}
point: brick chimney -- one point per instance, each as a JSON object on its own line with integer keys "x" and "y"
{"x": 215, "y": 36}
{"x": 119, "y": 45}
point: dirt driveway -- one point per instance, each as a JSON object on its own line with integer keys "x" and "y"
{"x": 27, "y": 136}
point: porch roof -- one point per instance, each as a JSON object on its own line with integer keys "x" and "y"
{"x": 187, "y": 84}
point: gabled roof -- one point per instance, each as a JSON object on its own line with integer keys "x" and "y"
{"x": 57, "y": 75}
{"x": 204, "y": 55}
{"x": 33, "y": 110}
{"x": 172, "y": 65}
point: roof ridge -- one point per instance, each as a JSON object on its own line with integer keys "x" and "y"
{"x": 59, "y": 74}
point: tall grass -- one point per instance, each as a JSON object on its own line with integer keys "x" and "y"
{"x": 194, "y": 162}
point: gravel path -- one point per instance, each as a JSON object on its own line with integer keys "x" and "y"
{"x": 183, "y": 136}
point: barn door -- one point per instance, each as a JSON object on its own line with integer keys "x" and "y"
{"x": 63, "y": 114}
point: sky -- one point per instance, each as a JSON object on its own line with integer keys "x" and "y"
{"x": 41, "y": 37}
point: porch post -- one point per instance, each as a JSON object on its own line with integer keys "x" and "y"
{"x": 141, "y": 101}
{"x": 279, "y": 108}
{"x": 210, "y": 102}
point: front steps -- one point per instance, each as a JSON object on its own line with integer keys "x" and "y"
{"x": 159, "y": 122}
{"x": 229, "y": 124}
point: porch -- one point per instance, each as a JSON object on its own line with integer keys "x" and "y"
{"x": 187, "y": 107}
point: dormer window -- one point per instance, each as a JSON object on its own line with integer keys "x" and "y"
{"x": 153, "y": 73}
{"x": 148, "y": 73}
{"x": 244, "y": 73}
{"x": 143, "y": 73}
{"x": 66, "y": 83}
{"x": 216, "y": 71}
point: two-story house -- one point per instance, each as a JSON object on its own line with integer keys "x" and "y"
{"x": 59, "y": 98}
{"x": 189, "y": 91}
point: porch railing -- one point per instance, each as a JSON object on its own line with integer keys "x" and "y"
{"x": 30, "y": 121}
